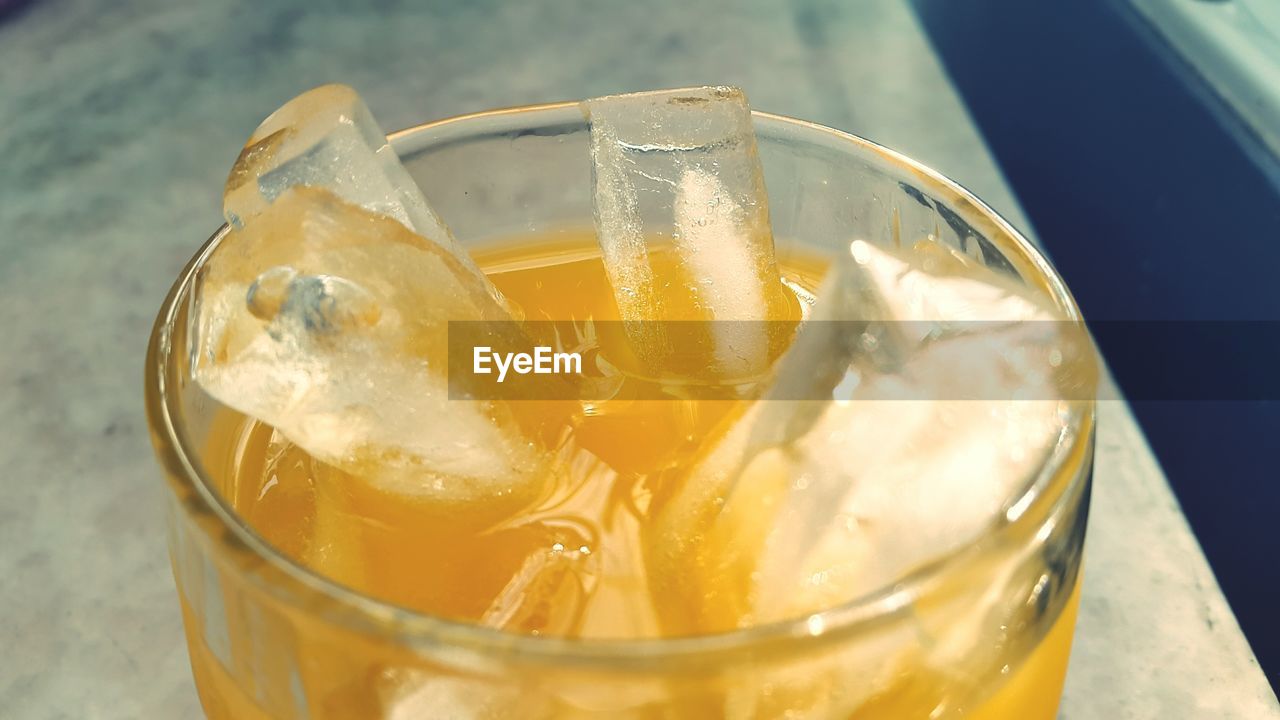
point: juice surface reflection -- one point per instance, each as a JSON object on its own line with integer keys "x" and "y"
{"x": 579, "y": 560}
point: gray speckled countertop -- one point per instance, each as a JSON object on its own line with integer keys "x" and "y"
{"x": 118, "y": 122}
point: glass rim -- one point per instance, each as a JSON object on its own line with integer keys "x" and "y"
{"x": 347, "y": 607}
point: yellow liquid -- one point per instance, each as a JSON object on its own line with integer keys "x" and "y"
{"x": 463, "y": 562}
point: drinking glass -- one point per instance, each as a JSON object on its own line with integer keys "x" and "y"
{"x": 983, "y": 631}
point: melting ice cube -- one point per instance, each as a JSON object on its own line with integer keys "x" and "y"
{"x": 683, "y": 222}
{"x": 327, "y": 137}
{"x": 328, "y": 321}
{"x": 547, "y": 594}
{"x": 893, "y": 432}
{"x": 413, "y": 694}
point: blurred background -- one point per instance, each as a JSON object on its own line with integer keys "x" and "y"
{"x": 1141, "y": 138}
{"x": 1137, "y": 140}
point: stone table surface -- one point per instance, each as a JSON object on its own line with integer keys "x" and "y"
{"x": 118, "y": 122}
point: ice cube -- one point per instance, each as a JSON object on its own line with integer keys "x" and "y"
{"x": 328, "y": 322}
{"x": 548, "y": 593}
{"x": 886, "y": 440}
{"x": 327, "y": 137}
{"x": 683, "y": 222}
{"x": 412, "y": 694}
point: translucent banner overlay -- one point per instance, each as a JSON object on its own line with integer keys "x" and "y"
{"x": 1025, "y": 360}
